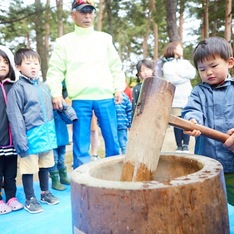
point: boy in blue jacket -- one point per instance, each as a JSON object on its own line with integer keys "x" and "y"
{"x": 31, "y": 119}
{"x": 211, "y": 103}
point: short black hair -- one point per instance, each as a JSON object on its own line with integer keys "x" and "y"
{"x": 23, "y": 53}
{"x": 146, "y": 63}
{"x": 11, "y": 73}
{"x": 210, "y": 48}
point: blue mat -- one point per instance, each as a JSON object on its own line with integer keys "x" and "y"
{"x": 55, "y": 219}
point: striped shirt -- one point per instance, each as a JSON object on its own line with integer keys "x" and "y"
{"x": 9, "y": 151}
{"x": 124, "y": 113}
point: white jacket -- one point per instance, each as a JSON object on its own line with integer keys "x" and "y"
{"x": 179, "y": 72}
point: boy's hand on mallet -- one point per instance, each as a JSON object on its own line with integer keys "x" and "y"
{"x": 194, "y": 133}
{"x": 229, "y": 143}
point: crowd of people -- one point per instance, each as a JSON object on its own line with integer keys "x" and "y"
{"x": 85, "y": 67}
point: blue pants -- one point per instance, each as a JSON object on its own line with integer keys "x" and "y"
{"x": 107, "y": 121}
{"x": 123, "y": 138}
{"x": 59, "y": 158}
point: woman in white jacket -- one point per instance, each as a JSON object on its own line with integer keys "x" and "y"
{"x": 179, "y": 72}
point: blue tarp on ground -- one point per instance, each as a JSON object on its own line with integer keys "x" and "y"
{"x": 54, "y": 220}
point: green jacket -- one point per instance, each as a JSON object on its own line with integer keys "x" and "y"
{"x": 89, "y": 63}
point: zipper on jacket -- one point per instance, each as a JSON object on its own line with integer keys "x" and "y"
{"x": 39, "y": 91}
{"x": 9, "y": 129}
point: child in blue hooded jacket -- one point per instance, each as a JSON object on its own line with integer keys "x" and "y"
{"x": 211, "y": 103}
{"x": 30, "y": 114}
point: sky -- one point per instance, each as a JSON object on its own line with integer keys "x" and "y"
{"x": 5, "y": 3}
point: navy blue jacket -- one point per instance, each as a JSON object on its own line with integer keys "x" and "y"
{"x": 62, "y": 118}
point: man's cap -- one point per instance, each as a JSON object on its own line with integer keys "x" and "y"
{"x": 80, "y": 4}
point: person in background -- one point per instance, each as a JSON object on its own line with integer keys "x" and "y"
{"x": 90, "y": 65}
{"x": 124, "y": 119}
{"x": 58, "y": 173}
{"x": 128, "y": 92}
{"x": 145, "y": 69}
{"x": 11, "y": 58}
{"x": 211, "y": 104}
{"x": 179, "y": 72}
{"x": 8, "y": 155}
{"x": 30, "y": 114}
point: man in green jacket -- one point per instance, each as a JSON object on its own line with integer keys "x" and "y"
{"x": 89, "y": 63}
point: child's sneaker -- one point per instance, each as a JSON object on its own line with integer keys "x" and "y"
{"x": 179, "y": 149}
{"x": 95, "y": 157}
{"x": 14, "y": 204}
{"x": 4, "y": 208}
{"x": 32, "y": 206}
{"x": 185, "y": 149}
{"x": 49, "y": 198}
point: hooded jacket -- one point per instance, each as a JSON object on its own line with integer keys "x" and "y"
{"x": 6, "y": 143}
{"x": 62, "y": 118}
{"x": 31, "y": 118}
{"x": 213, "y": 107}
{"x": 179, "y": 72}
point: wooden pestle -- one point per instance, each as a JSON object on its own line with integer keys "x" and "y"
{"x": 148, "y": 131}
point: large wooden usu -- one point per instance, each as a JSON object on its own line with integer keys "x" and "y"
{"x": 186, "y": 195}
{"x": 147, "y": 191}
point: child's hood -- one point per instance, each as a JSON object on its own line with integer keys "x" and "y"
{"x": 11, "y": 58}
{"x": 9, "y": 55}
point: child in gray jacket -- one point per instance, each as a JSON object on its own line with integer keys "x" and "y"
{"x": 31, "y": 119}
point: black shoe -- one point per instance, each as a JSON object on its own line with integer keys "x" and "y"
{"x": 49, "y": 198}
{"x": 179, "y": 149}
{"x": 185, "y": 149}
{"x": 95, "y": 157}
{"x": 32, "y": 206}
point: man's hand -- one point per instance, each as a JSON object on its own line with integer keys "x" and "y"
{"x": 57, "y": 103}
{"x": 229, "y": 143}
{"x": 118, "y": 97}
{"x": 194, "y": 133}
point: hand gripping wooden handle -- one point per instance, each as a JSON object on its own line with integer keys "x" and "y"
{"x": 188, "y": 125}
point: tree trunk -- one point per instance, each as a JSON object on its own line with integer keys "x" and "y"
{"x": 228, "y": 20}
{"x": 172, "y": 28}
{"x": 100, "y": 15}
{"x": 156, "y": 38}
{"x": 109, "y": 16}
{"x": 152, "y": 7}
{"x": 205, "y": 24}
{"x": 47, "y": 29}
{"x": 146, "y": 36}
{"x": 28, "y": 45}
{"x": 59, "y": 5}
{"x": 181, "y": 20}
{"x": 40, "y": 39}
